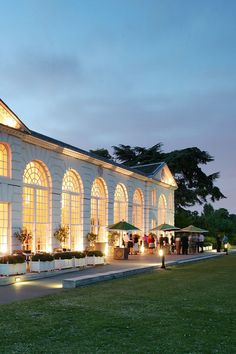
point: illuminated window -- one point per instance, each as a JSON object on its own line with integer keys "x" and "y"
{"x": 154, "y": 197}
{"x": 162, "y": 210}
{"x": 36, "y": 205}
{"x": 4, "y": 160}
{"x": 138, "y": 209}
{"x": 71, "y": 209}
{"x": 98, "y": 221}
{"x": 171, "y": 202}
{"x": 153, "y": 223}
{"x": 4, "y": 222}
{"x": 120, "y": 204}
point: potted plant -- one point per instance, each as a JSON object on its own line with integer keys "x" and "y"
{"x": 24, "y": 236}
{"x": 79, "y": 259}
{"x": 92, "y": 239}
{"x": 63, "y": 260}
{"x": 42, "y": 262}
{"x": 10, "y": 265}
{"x": 61, "y": 234}
{"x": 94, "y": 257}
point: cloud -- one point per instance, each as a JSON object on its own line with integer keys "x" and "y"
{"x": 36, "y": 73}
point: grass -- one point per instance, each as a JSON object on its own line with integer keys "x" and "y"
{"x": 187, "y": 309}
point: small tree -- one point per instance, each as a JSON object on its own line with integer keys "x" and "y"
{"x": 113, "y": 237}
{"x": 24, "y": 236}
{"x": 92, "y": 238}
{"x": 62, "y": 234}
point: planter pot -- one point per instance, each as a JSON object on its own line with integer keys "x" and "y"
{"x": 99, "y": 260}
{"x": 11, "y": 269}
{"x": 64, "y": 263}
{"x": 79, "y": 262}
{"x": 39, "y": 266}
{"x": 90, "y": 261}
{"x": 121, "y": 253}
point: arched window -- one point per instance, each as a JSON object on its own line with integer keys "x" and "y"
{"x": 71, "y": 209}
{"x": 4, "y": 227}
{"x": 120, "y": 204}
{"x": 171, "y": 202}
{"x": 36, "y": 205}
{"x": 4, "y": 161}
{"x": 98, "y": 221}
{"x": 138, "y": 209}
{"x": 162, "y": 210}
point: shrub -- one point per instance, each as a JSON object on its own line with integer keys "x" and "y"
{"x": 95, "y": 253}
{"x": 43, "y": 257}
{"x": 12, "y": 259}
{"x": 78, "y": 254}
{"x": 63, "y": 255}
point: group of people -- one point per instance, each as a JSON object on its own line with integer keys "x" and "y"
{"x": 186, "y": 244}
{"x": 131, "y": 242}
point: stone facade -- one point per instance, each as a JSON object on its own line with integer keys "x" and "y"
{"x": 25, "y": 146}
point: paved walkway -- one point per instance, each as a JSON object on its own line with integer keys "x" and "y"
{"x": 36, "y": 285}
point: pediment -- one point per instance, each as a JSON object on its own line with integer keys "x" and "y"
{"x": 164, "y": 175}
{"x": 10, "y": 119}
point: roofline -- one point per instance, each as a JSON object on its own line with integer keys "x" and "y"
{"x": 15, "y": 116}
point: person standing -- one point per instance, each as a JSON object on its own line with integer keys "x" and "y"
{"x": 225, "y": 243}
{"x": 201, "y": 242}
{"x": 151, "y": 243}
{"x": 177, "y": 244}
{"x": 218, "y": 243}
{"x": 184, "y": 244}
{"x": 136, "y": 246}
{"x": 161, "y": 241}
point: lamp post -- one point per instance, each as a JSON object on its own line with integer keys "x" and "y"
{"x": 226, "y": 248}
{"x": 162, "y": 255}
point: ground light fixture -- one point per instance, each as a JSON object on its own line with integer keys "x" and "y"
{"x": 226, "y": 248}
{"x": 162, "y": 255}
{"x": 17, "y": 279}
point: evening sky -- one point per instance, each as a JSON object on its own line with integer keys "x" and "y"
{"x": 97, "y": 73}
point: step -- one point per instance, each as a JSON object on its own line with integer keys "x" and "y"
{"x": 94, "y": 278}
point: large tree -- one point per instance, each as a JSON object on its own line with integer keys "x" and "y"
{"x": 194, "y": 185}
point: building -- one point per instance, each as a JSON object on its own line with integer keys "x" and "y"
{"x": 45, "y": 182}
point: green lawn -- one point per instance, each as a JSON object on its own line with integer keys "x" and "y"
{"x": 186, "y": 309}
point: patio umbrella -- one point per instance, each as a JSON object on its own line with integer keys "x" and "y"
{"x": 122, "y": 226}
{"x": 193, "y": 230}
{"x": 165, "y": 227}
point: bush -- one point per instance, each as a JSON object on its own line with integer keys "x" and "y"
{"x": 95, "y": 253}
{"x": 78, "y": 254}
{"x": 43, "y": 257}
{"x": 63, "y": 255}
{"x": 12, "y": 259}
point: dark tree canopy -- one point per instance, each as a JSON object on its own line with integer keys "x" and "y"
{"x": 194, "y": 185}
{"x": 102, "y": 153}
{"x": 131, "y": 156}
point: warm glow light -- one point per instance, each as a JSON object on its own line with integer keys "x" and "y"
{"x": 80, "y": 248}
{"x": 106, "y": 249}
{"x": 161, "y": 252}
{"x": 9, "y": 121}
{"x": 55, "y": 286}
{"x": 142, "y": 249}
{"x": 17, "y": 279}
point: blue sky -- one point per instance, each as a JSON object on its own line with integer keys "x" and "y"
{"x": 135, "y": 72}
